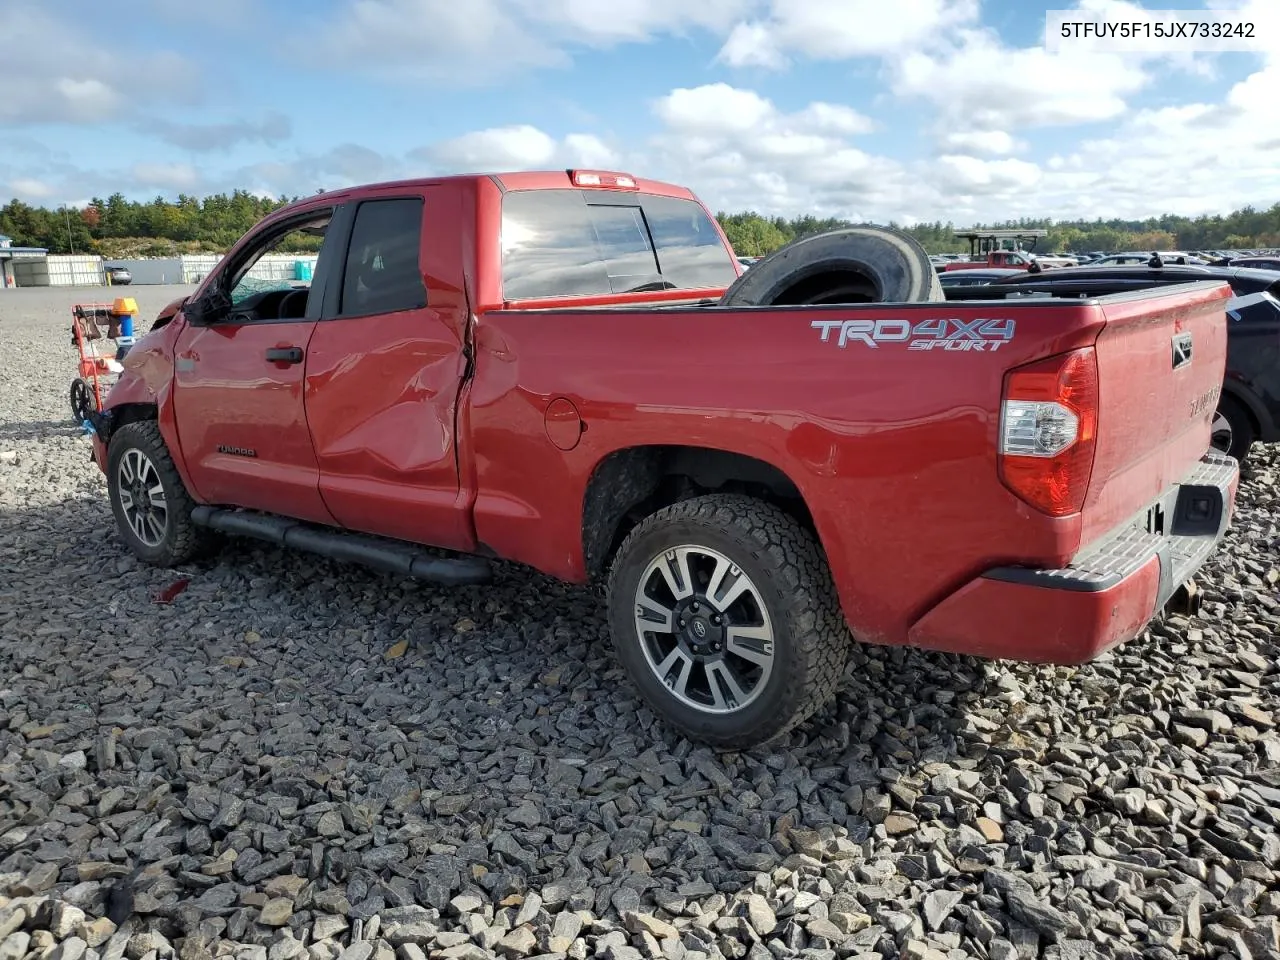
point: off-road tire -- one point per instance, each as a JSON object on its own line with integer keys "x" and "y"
{"x": 851, "y": 265}
{"x": 786, "y": 565}
{"x": 182, "y": 540}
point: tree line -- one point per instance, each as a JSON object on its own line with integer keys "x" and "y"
{"x": 753, "y": 235}
{"x": 117, "y": 227}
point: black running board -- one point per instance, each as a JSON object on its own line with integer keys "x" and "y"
{"x": 391, "y": 556}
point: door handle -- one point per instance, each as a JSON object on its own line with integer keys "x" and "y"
{"x": 285, "y": 354}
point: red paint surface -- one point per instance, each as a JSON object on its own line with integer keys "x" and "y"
{"x": 998, "y": 259}
{"x": 564, "y": 426}
{"x": 233, "y": 396}
{"x": 991, "y": 618}
{"x": 893, "y": 450}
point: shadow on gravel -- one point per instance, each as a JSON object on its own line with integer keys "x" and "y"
{"x": 503, "y": 752}
{"x": 35, "y": 429}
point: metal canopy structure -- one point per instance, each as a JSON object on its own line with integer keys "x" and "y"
{"x": 9, "y": 254}
{"x": 984, "y": 241}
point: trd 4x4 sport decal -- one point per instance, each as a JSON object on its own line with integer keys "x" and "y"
{"x": 950, "y": 334}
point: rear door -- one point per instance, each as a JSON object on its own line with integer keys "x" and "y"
{"x": 238, "y": 376}
{"x": 385, "y": 367}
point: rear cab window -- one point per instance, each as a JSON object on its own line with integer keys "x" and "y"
{"x": 566, "y": 243}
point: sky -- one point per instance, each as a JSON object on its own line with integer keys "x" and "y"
{"x": 911, "y": 110}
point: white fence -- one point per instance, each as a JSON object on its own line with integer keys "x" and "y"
{"x": 283, "y": 266}
{"x": 80, "y": 271}
{"x": 194, "y": 267}
{"x": 147, "y": 272}
{"x": 74, "y": 271}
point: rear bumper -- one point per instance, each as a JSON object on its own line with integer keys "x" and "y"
{"x": 1107, "y": 596}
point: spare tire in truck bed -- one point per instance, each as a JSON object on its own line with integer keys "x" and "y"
{"x": 853, "y": 265}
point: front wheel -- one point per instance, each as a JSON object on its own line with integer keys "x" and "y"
{"x": 151, "y": 506}
{"x": 723, "y": 613}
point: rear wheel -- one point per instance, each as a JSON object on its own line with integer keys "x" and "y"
{"x": 151, "y": 506}
{"x": 82, "y": 401}
{"x": 1232, "y": 432}
{"x": 723, "y": 613}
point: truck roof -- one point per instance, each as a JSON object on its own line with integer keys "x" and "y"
{"x": 510, "y": 180}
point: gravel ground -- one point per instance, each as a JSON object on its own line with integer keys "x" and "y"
{"x": 299, "y": 759}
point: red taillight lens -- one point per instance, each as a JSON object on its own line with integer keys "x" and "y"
{"x": 1048, "y": 423}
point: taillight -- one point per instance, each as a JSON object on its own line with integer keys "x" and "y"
{"x": 1048, "y": 424}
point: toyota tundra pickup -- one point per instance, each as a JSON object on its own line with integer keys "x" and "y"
{"x": 571, "y": 370}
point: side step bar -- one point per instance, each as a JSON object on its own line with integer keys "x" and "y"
{"x": 389, "y": 555}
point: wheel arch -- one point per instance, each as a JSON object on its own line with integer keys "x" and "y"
{"x": 133, "y": 401}
{"x": 630, "y": 483}
{"x": 1264, "y": 425}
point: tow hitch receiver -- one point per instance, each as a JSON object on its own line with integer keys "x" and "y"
{"x": 1185, "y": 600}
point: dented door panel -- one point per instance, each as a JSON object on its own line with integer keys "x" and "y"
{"x": 381, "y": 399}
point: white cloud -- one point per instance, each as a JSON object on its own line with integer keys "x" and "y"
{"x": 342, "y": 166}
{"x": 1172, "y": 160}
{"x": 588, "y": 150}
{"x": 738, "y": 150}
{"x": 995, "y": 142}
{"x": 990, "y": 109}
{"x": 972, "y": 174}
{"x": 472, "y": 41}
{"x": 753, "y": 45}
{"x": 1263, "y": 14}
{"x": 520, "y": 147}
{"x": 982, "y": 84}
{"x": 714, "y": 108}
{"x": 629, "y": 20}
{"x": 828, "y": 30}
{"x": 55, "y": 72}
{"x": 484, "y": 41}
{"x": 210, "y": 137}
{"x": 167, "y": 176}
{"x": 977, "y": 82}
{"x": 718, "y": 109}
{"x": 32, "y": 189}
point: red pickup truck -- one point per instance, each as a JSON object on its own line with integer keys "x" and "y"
{"x": 571, "y": 370}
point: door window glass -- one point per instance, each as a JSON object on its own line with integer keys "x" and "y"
{"x": 383, "y": 274}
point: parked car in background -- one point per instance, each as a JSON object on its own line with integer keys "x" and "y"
{"x": 118, "y": 276}
{"x": 1020, "y": 260}
{"x": 1249, "y": 409}
{"x": 1257, "y": 263}
{"x": 1137, "y": 257}
{"x": 973, "y": 278}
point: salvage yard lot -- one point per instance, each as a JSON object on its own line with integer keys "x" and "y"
{"x": 499, "y": 788}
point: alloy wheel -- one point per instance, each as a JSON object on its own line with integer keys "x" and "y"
{"x": 142, "y": 497}
{"x": 704, "y": 629}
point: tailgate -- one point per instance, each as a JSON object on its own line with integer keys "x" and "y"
{"x": 1161, "y": 359}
